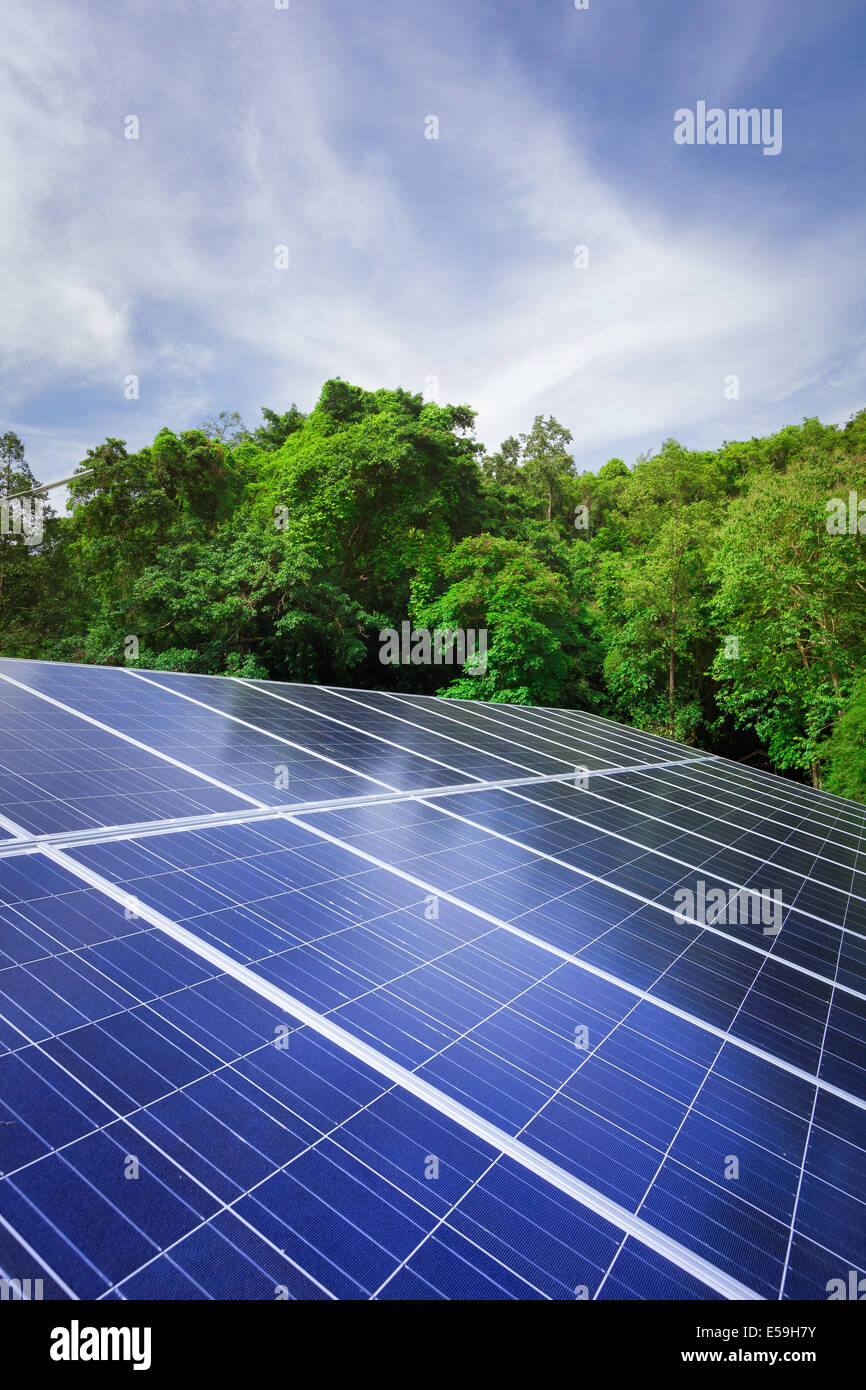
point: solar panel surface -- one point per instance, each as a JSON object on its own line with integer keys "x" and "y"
{"x": 341, "y": 994}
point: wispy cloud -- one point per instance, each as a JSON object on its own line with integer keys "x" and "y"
{"x": 412, "y": 257}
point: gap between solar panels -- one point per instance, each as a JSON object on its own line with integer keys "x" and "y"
{"x": 476, "y": 784}
{"x": 24, "y": 843}
{"x": 354, "y": 698}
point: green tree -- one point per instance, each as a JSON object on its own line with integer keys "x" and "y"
{"x": 276, "y": 428}
{"x": 136, "y": 513}
{"x": 703, "y": 597}
{"x": 842, "y": 757}
{"x": 533, "y": 629}
{"x": 548, "y": 467}
{"x": 792, "y": 595}
{"x": 28, "y": 600}
{"x": 653, "y": 594}
{"x": 226, "y": 428}
{"x": 375, "y": 485}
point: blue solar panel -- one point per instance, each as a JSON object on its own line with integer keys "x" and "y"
{"x": 58, "y": 772}
{"x": 183, "y": 729}
{"x": 543, "y": 733}
{"x": 415, "y": 1045}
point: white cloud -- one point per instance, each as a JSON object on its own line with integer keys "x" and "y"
{"x": 407, "y": 257}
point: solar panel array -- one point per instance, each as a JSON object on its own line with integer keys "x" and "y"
{"x": 319, "y": 993}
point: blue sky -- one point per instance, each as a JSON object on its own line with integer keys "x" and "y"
{"x": 413, "y": 258}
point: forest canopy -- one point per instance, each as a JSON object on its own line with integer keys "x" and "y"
{"x": 715, "y": 597}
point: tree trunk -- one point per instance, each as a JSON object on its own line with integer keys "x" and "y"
{"x": 671, "y": 690}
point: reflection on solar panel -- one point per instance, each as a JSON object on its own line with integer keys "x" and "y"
{"x": 317, "y": 993}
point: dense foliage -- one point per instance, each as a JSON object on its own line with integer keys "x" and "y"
{"x": 715, "y": 597}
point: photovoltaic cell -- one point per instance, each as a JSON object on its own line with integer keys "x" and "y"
{"x": 455, "y": 1046}
{"x": 239, "y": 758}
{"x": 301, "y": 714}
{"x": 59, "y": 773}
{"x": 589, "y": 745}
{"x": 243, "y": 1147}
{"x": 461, "y": 727}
